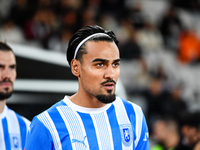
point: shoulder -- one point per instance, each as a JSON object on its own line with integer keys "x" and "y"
{"x": 53, "y": 108}
{"x": 129, "y": 105}
{"x": 50, "y": 114}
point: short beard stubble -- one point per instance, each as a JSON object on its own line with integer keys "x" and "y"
{"x": 5, "y": 95}
{"x": 106, "y": 99}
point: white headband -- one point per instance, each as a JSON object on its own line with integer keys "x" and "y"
{"x": 84, "y": 40}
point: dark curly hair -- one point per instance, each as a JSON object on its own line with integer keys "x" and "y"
{"x": 83, "y": 33}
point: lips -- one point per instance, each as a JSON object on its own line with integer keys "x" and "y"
{"x": 6, "y": 84}
{"x": 109, "y": 86}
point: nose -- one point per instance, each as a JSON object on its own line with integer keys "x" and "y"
{"x": 6, "y": 73}
{"x": 110, "y": 72}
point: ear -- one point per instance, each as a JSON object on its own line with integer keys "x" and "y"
{"x": 75, "y": 66}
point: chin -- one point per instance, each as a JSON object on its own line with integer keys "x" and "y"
{"x": 106, "y": 99}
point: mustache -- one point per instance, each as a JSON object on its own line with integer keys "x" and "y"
{"x": 6, "y": 80}
{"x": 108, "y": 81}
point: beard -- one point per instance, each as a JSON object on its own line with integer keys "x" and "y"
{"x": 7, "y": 93}
{"x": 106, "y": 98}
{"x": 4, "y": 95}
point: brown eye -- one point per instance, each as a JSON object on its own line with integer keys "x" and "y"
{"x": 99, "y": 64}
{"x": 116, "y": 64}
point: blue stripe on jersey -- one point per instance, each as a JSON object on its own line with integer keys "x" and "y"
{"x": 129, "y": 110}
{"x": 115, "y": 128}
{"x": 144, "y": 145}
{"x": 23, "y": 130}
{"x": 90, "y": 130}
{"x": 61, "y": 128}
{"x": 131, "y": 115}
{"x": 6, "y": 134}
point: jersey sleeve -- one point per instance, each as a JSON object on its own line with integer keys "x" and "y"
{"x": 143, "y": 143}
{"x": 38, "y": 137}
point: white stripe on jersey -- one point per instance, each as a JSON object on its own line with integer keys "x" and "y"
{"x": 13, "y": 127}
{"x": 122, "y": 117}
{"x": 139, "y": 119}
{"x": 2, "y": 141}
{"x": 97, "y": 131}
{"x": 103, "y": 130}
{"x": 109, "y": 130}
{"x": 74, "y": 125}
{"x": 47, "y": 121}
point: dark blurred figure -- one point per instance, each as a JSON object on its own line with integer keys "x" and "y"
{"x": 41, "y": 26}
{"x": 190, "y": 128}
{"x": 165, "y": 133}
{"x": 71, "y": 20}
{"x": 156, "y": 101}
{"x": 187, "y": 4}
{"x": 135, "y": 15}
{"x": 112, "y": 6}
{"x": 59, "y": 41}
{"x": 177, "y": 104}
{"x": 171, "y": 27}
{"x": 130, "y": 49}
{"x": 11, "y": 32}
{"x": 22, "y": 11}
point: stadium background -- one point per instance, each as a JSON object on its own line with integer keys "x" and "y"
{"x": 159, "y": 47}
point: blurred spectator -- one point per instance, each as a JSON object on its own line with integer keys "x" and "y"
{"x": 111, "y": 6}
{"x": 177, "y": 104}
{"x": 59, "y": 42}
{"x": 89, "y": 16}
{"x": 190, "y": 128}
{"x": 22, "y": 11}
{"x": 135, "y": 14}
{"x": 10, "y": 32}
{"x": 41, "y": 26}
{"x": 67, "y": 5}
{"x": 130, "y": 49}
{"x": 71, "y": 20}
{"x": 165, "y": 133}
{"x": 187, "y": 4}
{"x": 5, "y": 7}
{"x": 189, "y": 47}
{"x": 171, "y": 27}
{"x": 51, "y": 4}
{"x": 149, "y": 38}
{"x": 155, "y": 99}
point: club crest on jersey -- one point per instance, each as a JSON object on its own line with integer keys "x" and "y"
{"x": 15, "y": 141}
{"x": 126, "y": 134}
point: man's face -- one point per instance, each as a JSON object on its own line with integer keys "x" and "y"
{"x": 100, "y": 70}
{"x": 7, "y": 74}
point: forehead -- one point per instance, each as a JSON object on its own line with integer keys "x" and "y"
{"x": 7, "y": 57}
{"x": 102, "y": 49}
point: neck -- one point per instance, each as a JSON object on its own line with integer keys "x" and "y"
{"x": 2, "y": 105}
{"x": 86, "y": 101}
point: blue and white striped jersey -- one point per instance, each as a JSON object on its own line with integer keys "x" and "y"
{"x": 66, "y": 126}
{"x": 13, "y": 130}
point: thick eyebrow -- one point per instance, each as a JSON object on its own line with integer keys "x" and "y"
{"x": 104, "y": 60}
{"x": 14, "y": 65}
{"x": 117, "y": 60}
{"x": 99, "y": 59}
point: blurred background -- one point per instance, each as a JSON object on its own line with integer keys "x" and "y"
{"x": 159, "y": 46}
